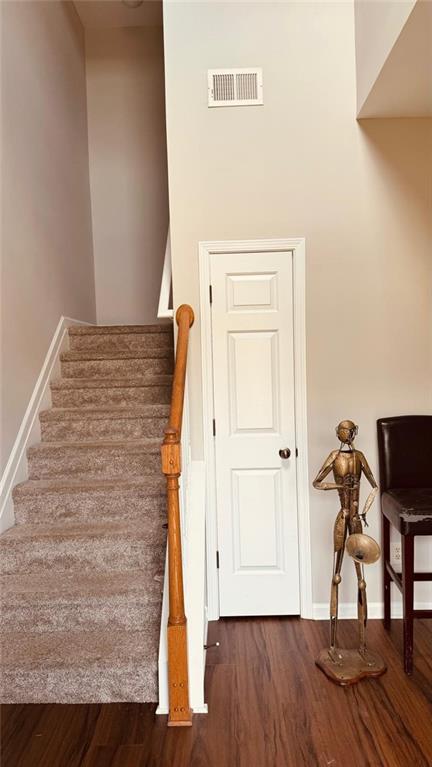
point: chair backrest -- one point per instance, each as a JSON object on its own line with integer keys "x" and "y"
{"x": 405, "y": 451}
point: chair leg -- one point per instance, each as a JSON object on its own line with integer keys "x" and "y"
{"x": 408, "y": 600}
{"x": 387, "y": 579}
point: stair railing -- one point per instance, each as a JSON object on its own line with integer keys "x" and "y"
{"x": 180, "y": 713}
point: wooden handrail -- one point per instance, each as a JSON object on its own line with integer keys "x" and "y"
{"x": 180, "y": 714}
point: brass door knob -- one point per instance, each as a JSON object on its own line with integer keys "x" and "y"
{"x": 285, "y": 452}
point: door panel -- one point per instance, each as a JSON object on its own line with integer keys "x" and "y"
{"x": 257, "y": 537}
{"x": 252, "y": 332}
{"x": 248, "y": 292}
{"x": 253, "y": 401}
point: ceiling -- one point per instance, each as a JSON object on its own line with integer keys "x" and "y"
{"x": 96, "y": 14}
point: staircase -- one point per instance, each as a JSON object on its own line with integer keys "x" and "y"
{"x": 82, "y": 570}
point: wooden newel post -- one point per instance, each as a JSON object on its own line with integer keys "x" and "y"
{"x": 180, "y": 713}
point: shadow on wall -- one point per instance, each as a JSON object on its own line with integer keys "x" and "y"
{"x": 397, "y": 158}
{"x": 401, "y": 151}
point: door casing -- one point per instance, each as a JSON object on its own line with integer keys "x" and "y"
{"x": 297, "y": 247}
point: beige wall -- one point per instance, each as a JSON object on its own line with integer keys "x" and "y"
{"x": 377, "y": 27}
{"x": 47, "y": 263}
{"x": 127, "y": 144}
{"x": 302, "y": 166}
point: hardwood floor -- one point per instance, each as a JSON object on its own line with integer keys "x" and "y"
{"x": 269, "y": 707}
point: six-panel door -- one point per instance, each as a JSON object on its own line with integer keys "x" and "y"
{"x": 252, "y": 337}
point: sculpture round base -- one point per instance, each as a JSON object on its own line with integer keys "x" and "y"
{"x": 349, "y": 666}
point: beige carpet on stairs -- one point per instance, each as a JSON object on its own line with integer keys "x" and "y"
{"x": 82, "y": 570}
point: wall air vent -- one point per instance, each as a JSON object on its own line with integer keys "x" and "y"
{"x": 235, "y": 87}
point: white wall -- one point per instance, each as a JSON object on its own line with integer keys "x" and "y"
{"x": 377, "y": 27}
{"x": 47, "y": 261}
{"x": 302, "y": 166}
{"x": 128, "y": 175}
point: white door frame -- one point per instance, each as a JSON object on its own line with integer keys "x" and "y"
{"x": 297, "y": 246}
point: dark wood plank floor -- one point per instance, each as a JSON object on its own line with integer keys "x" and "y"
{"x": 269, "y": 707}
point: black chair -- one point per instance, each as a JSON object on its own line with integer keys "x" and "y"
{"x": 405, "y": 464}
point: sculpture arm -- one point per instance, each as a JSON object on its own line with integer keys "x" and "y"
{"x": 371, "y": 479}
{"x": 325, "y": 469}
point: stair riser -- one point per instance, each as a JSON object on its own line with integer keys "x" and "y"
{"x": 122, "y": 368}
{"x": 110, "y": 428}
{"x": 94, "y": 463}
{"x": 89, "y": 554}
{"x": 88, "y": 507}
{"x": 120, "y": 342}
{"x": 134, "y": 683}
{"x": 116, "y": 396}
{"x": 88, "y": 614}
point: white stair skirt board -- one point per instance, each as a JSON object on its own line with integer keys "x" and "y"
{"x": 164, "y": 310}
{"x": 29, "y": 431}
{"x": 193, "y": 514}
{"x": 348, "y": 610}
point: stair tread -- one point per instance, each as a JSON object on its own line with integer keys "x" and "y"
{"x": 152, "y": 485}
{"x": 48, "y": 587}
{"x": 96, "y": 649}
{"x": 158, "y": 379}
{"x": 115, "y": 528}
{"x": 130, "y": 446}
{"x": 128, "y": 354}
{"x": 107, "y": 411}
{"x": 85, "y": 330}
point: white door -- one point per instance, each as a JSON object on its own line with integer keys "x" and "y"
{"x": 253, "y": 363}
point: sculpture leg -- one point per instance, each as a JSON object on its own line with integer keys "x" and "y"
{"x": 361, "y": 607}
{"x": 339, "y": 538}
{"x": 348, "y": 666}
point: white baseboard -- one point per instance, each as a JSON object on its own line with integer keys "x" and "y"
{"x": 29, "y": 431}
{"x": 375, "y": 610}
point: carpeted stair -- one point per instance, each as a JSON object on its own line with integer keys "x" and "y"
{"x": 81, "y": 573}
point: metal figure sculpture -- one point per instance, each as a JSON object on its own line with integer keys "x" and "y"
{"x": 348, "y": 465}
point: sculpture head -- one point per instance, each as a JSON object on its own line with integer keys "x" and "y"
{"x": 346, "y": 432}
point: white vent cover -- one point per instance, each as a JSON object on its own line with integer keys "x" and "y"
{"x": 235, "y": 87}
